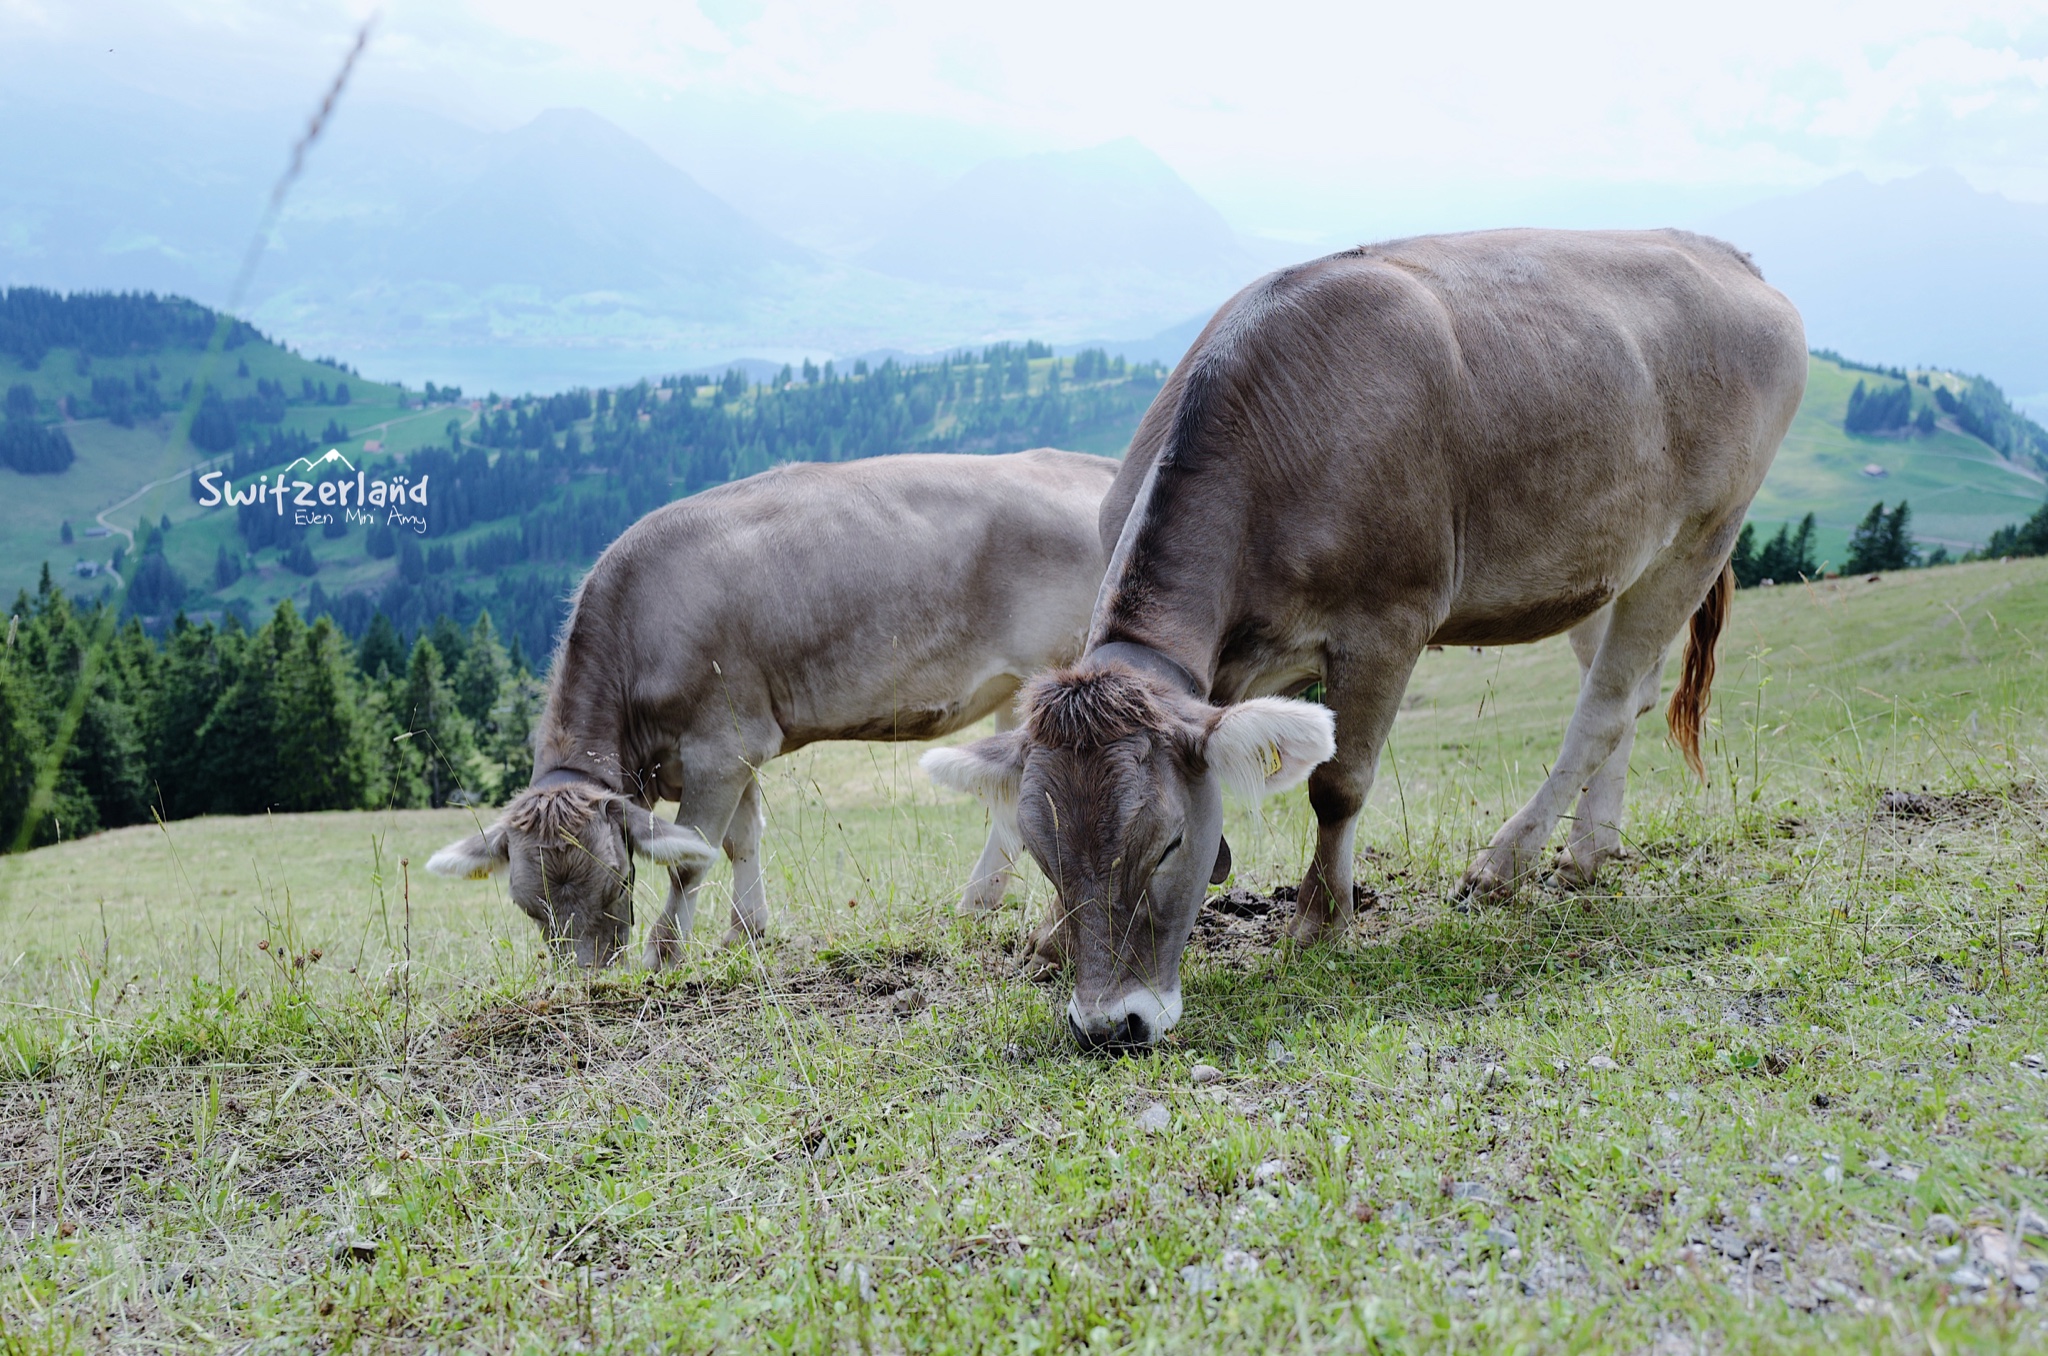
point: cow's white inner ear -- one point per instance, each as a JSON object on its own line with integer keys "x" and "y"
{"x": 988, "y": 769}
{"x": 1269, "y": 744}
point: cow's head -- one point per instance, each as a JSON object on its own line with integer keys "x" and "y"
{"x": 1115, "y": 781}
{"x": 569, "y": 849}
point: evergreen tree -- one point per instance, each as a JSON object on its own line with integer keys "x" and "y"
{"x": 1742, "y": 560}
{"x": 381, "y": 652}
{"x": 436, "y": 749}
{"x": 196, "y": 669}
{"x": 237, "y": 754}
{"x": 324, "y": 758}
{"x": 1788, "y": 557}
{"x": 1867, "y": 544}
{"x": 1883, "y": 541}
{"x": 20, "y": 739}
{"x": 1901, "y": 552}
{"x": 480, "y": 674}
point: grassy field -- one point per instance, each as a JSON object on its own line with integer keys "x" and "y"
{"x": 1777, "y": 1083}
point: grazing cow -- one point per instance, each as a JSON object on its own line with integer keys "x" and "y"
{"x": 891, "y": 598}
{"x": 1478, "y": 439}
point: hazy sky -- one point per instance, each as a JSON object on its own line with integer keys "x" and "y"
{"x": 1299, "y": 120}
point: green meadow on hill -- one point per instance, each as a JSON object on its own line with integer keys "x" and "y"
{"x": 1778, "y": 1082}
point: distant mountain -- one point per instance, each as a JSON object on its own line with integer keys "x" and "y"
{"x": 1915, "y": 271}
{"x": 567, "y": 204}
{"x": 1116, "y": 209}
{"x": 568, "y": 252}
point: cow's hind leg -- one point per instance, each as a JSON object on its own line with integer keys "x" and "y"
{"x": 1363, "y": 686}
{"x": 1596, "y": 825}
{"x": 749, "y": 891}
{"x": 1629, "y": 655}
{"x": 708, "y": 808}
{"x": 991, "y": 878}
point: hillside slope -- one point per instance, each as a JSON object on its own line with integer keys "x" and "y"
{"x": 525, "y": 492}
{"x": 1961, "y": 489}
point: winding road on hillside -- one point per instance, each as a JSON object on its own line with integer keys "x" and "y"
{"x": 471, "y": 419}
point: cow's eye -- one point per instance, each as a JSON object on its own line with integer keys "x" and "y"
{"x": 1170, "y": 849}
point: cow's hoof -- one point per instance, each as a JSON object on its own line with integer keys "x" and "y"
{"x": 738, "y": 937}
{"x": 1493, "y": 878}
{"x": 1305, "y": 931}
{"x": 662, "y": 953}
{"x": 1042, "y": 959}
{"x": 1575, "y": 872}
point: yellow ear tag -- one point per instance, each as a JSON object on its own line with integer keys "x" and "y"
{"x": 481, "y": 873}
{"x": 1272, "y": 761}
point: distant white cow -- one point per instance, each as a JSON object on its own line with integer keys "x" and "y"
{"x": 891, "y": 598}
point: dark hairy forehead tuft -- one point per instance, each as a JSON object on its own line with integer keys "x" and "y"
{"x": 1093, "y": 708}
{"x": 553, "y": 812}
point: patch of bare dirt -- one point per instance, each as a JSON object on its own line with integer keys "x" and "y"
{"x": 1239, "y": 924}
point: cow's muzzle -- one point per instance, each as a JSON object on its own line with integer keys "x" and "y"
{"x": 1129, "y": 1035}
{"x": 1133, "y": 1022}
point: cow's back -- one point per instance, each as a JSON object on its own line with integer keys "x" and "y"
{"x": 867, "y": 599}
{"x": 1494, "y": 430}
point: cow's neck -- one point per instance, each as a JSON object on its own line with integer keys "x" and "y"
{"x": 584, "y": 730}
{"x": 1171, "y": 582}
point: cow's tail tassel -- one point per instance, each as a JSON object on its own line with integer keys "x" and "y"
{"x": 1688, "y": 707}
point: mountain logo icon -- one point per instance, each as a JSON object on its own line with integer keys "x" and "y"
{"x": 332, "y": 454}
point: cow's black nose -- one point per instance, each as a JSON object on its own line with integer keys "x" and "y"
{"x": 1129, "y": 1036}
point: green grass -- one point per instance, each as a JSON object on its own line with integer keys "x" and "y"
{"x": 1715, "y": 1102}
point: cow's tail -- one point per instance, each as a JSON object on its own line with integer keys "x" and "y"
{"x": 1689, "y": 704}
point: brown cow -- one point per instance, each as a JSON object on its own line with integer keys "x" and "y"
{"x": 1479, "y": 439}
{"x": 898, "y": 597}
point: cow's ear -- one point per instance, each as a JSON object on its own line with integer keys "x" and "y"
{"x": 988, "y": 769}
{"x": 475, "y": 857}
{"x": 1269, "y": 744}
{"x": 658, "y": 840}
{"x": 1221, "y": 871}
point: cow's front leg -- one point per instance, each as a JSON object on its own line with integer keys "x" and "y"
{"x": 1364, "y": 688}
{"x": 708, "y": 804}
{"x": 1045, "y": 947}
{"x": 991, "y": 878}
{"x": 670, "y": 933}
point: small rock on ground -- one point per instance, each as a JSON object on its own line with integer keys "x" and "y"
{"x": 1155, "y": 1118}
{"x": 905, "y": 1002}
{"x": 1205, "y": 1073}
